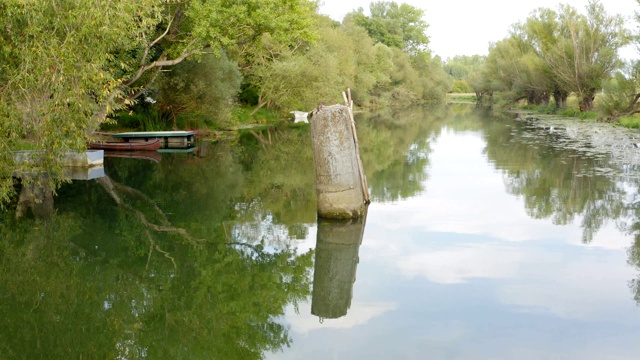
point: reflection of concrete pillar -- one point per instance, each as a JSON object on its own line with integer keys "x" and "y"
{"x": 338, "y": 181}
{"x": 336, "y": 260}
{"x": 37, "y": 196}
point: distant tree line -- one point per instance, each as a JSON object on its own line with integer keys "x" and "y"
{"x": 555, "y": 53}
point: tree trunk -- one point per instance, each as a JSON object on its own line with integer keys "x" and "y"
{"x": 560, "y": 97}
{"x": 261, "y": 103}
{"x": 586, "y": 103}
{"x": 537, "y": 97}
{"x": 484, "y": 99}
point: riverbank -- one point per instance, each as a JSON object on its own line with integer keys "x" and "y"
{"x": 467, "y": 98}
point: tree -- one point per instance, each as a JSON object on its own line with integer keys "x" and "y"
{"x": 394, "y": 25}
{"x": 572, "y": 51}
{"x": 66, "y": 65}
{"x": 622, "y": 92}
{"x": 540, "y": 32}
{"x": 515, "y": 68}
{"x": 434, "y": 80}
{"x": 345, "y": 56}
{"x": 207, "y": 87}
{"x": 461, "y": 66}
{"x": 61, "y": 64}
{"x": 587, "y": 50}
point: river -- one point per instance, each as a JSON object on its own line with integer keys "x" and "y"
{"x": 488, "y": 237}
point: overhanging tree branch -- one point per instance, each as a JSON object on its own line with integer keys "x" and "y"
{"x": 160, "y": 63}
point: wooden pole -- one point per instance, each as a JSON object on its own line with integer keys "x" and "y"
{"x": 363, "y": 177}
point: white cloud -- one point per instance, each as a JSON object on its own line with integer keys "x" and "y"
{"x": 360, "y": 313}
{"x": 585, "y": 288}
{"x": 458, "y": 264}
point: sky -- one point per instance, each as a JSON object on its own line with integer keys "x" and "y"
{"x": 467, "y": 27}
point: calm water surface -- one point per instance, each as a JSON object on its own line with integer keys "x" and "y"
{"x": 487, "y": 238}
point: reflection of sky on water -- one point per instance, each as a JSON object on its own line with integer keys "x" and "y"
{"x": 461, "y": 272}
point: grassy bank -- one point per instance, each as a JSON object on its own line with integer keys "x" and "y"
{"x": 461, "y": 97}
{"x": 240, "y": 117}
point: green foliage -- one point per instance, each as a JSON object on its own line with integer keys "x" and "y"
{"x": 394, "y": 25}
{"x": 461, "y": 87}
{"x": 462, "y": 66}
{"x": 552, "y": 108}
{"x": 207, "y": 87}
{"x": 632, "y": 122}
{"x": 61, "y": 65}
{"x": 298, "y": 80}
{"x": 66, "y": 66}
{"x": 619, "y": 93}
{"x": 146, "y": 120}
{"x": 434, "y": 80}
{"x": 514, "y": 68}
{"x": 243, "y": 115}
{"x": 583, "y": 115}
{"x": 237, "y": 25}
{"x": 346, "y": 57}
{"x": 556, "y": 53}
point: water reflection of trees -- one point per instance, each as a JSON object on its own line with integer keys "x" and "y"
{"x": 563, "y": 184}
{"x": 142, "y": 264}
{"x": 632, "y": 227}
{"x": 279, "y": 196}
{"x": 557, "y": 183}
{"x": 395, "y": 150}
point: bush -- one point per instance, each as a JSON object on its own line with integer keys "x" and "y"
{"x": 461, "y": 87}
{"x": 583, "y": 115}
{"x": 617, "y": 95}
{"x": 145, "y": 121}
{"x": 243, "y": 115}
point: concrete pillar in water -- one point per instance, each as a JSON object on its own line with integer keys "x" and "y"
{"x": 336, "y": 261}
{"x": 338, "y": 178}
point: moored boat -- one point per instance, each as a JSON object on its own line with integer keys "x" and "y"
{"x": 150, "y": 145}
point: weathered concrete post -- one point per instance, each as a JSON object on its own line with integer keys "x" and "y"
{"x": 336, "y": 260}
{"x": 339, "y": 184}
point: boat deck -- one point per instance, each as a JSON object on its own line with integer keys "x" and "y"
{"x": 170, "y": 139}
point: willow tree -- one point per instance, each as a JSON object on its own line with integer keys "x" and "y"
{"x": 66, "y": 65}
{"x": 517, "y": 70}
{"x": 541, "y": 32}
{"x": 577, "y": 51}
{"x": 587, "y": 50}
